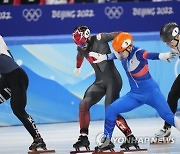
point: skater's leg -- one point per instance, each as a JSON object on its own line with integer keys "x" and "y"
{"x": 162, "y": 107}
{"x": 130, "y": 138}
{"x": 18, "y": 103}
{"x": 121, "y": 105}
{"x": 123, "y": 126}
{"x": 92, "y": 95}
{"x": 112, "y": 93}
{"x": 173, "y": 98}
{"x": 18, "y": 83}
{"x": 118, "y": 106}
{"x": 84, "y": 117}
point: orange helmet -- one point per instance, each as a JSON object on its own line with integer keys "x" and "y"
{"x": 122, "y": 41}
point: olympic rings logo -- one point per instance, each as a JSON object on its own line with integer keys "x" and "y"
{"x": 32, "y": 14}
{"x": 113, "y": 12}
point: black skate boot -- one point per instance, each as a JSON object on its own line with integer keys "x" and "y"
{"x": 82, "y": 142}
{"x": 106, "y": 145}
{"x": 38, "y": 143}
{"x": 130, "y": 141}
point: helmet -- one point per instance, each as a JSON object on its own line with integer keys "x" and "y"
{"x": 169, "y": 31}
{"x": 81, "y": 34}
{"x": 122, "y": 41}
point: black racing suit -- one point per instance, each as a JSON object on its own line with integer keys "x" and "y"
{"x": 108, "y": 81}
{"x": 13, "y": 85}
{"x": 174, "y": 93}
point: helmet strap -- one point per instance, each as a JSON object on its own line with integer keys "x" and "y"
{"x": 128, "y": 50}
{"x": 176, "y": 41}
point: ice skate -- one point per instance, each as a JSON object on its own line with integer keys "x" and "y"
{"x": 165, "y": 132}
{"x": 38, "y": 146}
{"x": 38, "y": 143}
{"x": 130, "y": 142}
{"x": 162, "y": 136}
{"x": 82, "y": 142}
{"x": 106, "y": 145}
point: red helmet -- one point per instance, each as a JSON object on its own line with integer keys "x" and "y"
{"x": 80, "y": 35}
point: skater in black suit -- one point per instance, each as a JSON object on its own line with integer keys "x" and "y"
{"x": 108, "y": 81}
{"x": 170, "y": 34}
{"x": 13, "y": 85}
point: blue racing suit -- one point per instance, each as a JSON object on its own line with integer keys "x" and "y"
{"x": 144, "y": 90}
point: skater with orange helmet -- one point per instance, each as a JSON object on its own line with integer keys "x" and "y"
{"x": 144, "y": 90}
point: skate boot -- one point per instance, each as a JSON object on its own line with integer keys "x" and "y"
{"x": 106, "y": 145}
{"x": 130, "y": 141}
{"x": 163, "y": 133}
{"x": 82, "y": 142}
{"x": 38, "y": 143}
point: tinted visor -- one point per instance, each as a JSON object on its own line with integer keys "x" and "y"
{"x": 83, "y": 45}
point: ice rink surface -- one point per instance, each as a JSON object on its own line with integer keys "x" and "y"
{"x": 61, "y": 137}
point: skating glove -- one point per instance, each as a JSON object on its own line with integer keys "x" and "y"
{"x": 77, "y": 71}
{"x": 99, "y": 57}
{"x": 167, "y": 56}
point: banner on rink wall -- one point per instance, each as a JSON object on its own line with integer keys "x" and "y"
{"x": 35, "y": 20}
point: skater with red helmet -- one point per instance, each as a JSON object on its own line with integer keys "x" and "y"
{"x": 107, "y": 82}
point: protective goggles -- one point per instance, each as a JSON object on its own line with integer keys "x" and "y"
{"x": 83, "y": 45}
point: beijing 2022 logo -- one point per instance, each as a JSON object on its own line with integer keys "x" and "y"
{"x": 32, "y": 14}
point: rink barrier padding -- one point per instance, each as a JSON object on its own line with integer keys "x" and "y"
{"x": 58, "y": 39}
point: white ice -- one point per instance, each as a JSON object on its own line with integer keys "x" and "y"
{"x": 61, "y": 136}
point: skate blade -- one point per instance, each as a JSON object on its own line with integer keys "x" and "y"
{"x": 107, "y": 152}
{"x": 135, "y": 151}
{"x": 41, "y": 151}
{"x": 139, "y": 151}
{"x": 81, "y": 152}
{"x": 162, "y": 141}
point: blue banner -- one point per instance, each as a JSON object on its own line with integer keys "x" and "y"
{"x": 36, "y": 20}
